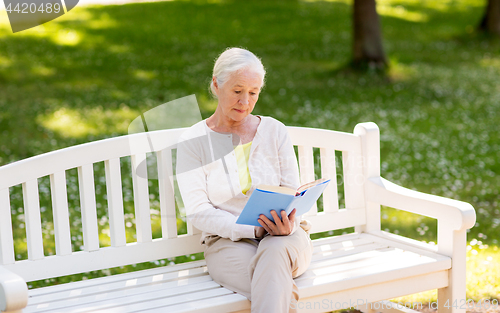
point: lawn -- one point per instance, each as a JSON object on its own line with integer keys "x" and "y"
{"x": 86, "y": 75}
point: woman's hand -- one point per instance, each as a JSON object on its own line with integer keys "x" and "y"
{"x": 259, "y": 232}
{"x": 282, "y": 226}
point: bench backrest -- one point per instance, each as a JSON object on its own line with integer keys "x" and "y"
{"x": 54, "y": 164}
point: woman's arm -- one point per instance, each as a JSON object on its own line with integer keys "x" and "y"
{"x": 192, "y": 182}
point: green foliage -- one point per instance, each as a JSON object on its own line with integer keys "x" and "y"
{"x": 86, "y": 75}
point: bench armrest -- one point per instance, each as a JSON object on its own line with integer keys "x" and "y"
{"x": 458, "y": 215}
{"x": 13, "y": 291}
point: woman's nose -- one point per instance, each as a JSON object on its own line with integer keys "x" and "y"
{"x": 244, "y": 99}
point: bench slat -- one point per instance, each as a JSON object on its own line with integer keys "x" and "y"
{"x": 306, "y": 166}
{"x": 324, "y": 138}
{"x": 166, "y": 190}
{"x": 116, "y": 278}
{"x": 347, "y": 252}
{"x": 388, "y": 269}
{"x": 141, "y": 198}
{"x": 60, "y": 213}
{"x": 140, "y": 285}
{"x": 115, "y": 202}
{"x": 224, "y": 303}
{"x": 342, "y": 219}
{"x": 329, "y": 170}
{"x": 353, "y": 180}
{"x": 348, "y": 256}
{"x": 88, "y": 207}
{"x": 331, "y": 247}
{"x": 158, "y": 300}
{"x": 33, "y": 221}
{"x": 106, "y": 257}
{"x": 340, "y": 264}
{"x": 120, "y": 297}
{"x": 6, "y": 238}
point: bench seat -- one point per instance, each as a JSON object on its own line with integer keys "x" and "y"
{"x": 357, "y": 261}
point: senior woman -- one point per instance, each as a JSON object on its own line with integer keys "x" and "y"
{"x": 220, "y": 161}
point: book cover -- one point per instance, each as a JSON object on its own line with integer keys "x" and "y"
{"x": 264, "y": 199}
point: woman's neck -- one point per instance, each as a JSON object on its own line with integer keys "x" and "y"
{"x": 220, "y": 123}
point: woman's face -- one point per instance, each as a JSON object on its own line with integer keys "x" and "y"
{"x": 238, "y": 95}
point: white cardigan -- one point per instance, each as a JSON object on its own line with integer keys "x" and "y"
{"x": 210, "y": 187}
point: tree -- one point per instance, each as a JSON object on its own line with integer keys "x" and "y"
{"x": 367, "y": 43}
{"x": 491, "y": 19}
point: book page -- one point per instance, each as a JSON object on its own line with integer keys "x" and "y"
{"x": 311, "y": 184}
{"x": 278, "y": 189}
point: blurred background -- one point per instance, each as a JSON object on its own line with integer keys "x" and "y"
{"x": 427, "y": 72}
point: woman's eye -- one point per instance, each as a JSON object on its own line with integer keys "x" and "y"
{"x": 237, "y": 91}
{"x": 253, "y": 93}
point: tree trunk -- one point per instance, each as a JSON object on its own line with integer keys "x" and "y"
{"x": 367, "y": 48}
{"x": 491, "y": 19}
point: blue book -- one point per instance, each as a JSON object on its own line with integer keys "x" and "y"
{"x": 266, "y": 198}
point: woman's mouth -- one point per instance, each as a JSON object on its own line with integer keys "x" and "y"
{"x": 240, "y": 111}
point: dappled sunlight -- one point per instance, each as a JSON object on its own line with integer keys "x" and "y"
{"x": 67, "y": 37}
{"x": 41, "y": 70}
{"x": 144, "y": 75}
{"x": 437, "y": 5}
{"x": 399, "y": 71}
{"x": 338, "y": 1}
{"x": 483, "y": 272}
{"x": 75, "y": 123}
{"x": 401, "y": 12}
{"x": 103, "y": 21}
{"x": 398, "y": 9}
{"x": 57, "y": 31}
{"x": 490, "y": 62}
{"x": 4, "y": 62}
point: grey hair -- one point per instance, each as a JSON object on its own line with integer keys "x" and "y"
{"x": 233, "y": 60}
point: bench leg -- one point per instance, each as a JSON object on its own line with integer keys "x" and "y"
{"x": 452, "y": 299}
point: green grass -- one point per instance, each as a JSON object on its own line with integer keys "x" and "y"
{"x": 86, "y": 75}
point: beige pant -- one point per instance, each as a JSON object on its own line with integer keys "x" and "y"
{"x": 261, "y": 270}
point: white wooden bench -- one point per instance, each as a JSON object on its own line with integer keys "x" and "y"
{"x": 368, "y": 265}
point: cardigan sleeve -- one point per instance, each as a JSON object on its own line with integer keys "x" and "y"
{"x": 192, "y": 182}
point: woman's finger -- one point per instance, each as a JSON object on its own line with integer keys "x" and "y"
{"x": 270, "y": 225}
{"x": 286, "y": 223}
{"x": 278, "y": 222}
{"x": 264, "y": 225}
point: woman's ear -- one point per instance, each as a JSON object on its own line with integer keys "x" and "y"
{"x": 216, "y": 86}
